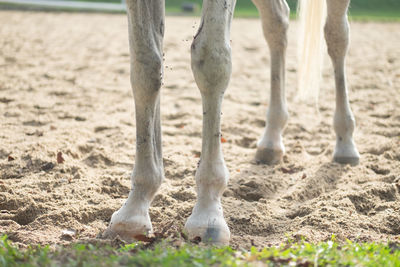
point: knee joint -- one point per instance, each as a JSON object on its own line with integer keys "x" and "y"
{"x": 211, "y": 64}
{"x": 276, "y": 30}
{"x": 147, "y": 74}
{"x": 337, "y": 37}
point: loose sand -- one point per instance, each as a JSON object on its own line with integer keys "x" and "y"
{"x": 64, "y": 87}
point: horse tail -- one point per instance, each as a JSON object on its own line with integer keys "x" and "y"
{"x": 312, "y": 15}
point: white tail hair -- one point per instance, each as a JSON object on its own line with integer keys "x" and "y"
{"x": 312, "y": 15}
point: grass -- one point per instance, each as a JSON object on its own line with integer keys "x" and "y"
{"x": 375, "y": 10}
{"x": 328, "y": 253}
{"x": 165, "y": 254}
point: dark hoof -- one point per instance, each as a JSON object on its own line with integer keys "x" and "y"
{"x": 353, "y": 161}
{"x": 268, "y": 156}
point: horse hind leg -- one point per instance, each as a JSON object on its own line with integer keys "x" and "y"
{"x": 211, "y": 65}
{"x": 337, "y": 38}
{"x": 275, "y": 22}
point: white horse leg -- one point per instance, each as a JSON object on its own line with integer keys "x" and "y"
{"x": 275, "y": 22}
{"x": 337, "y": 38}
{"x": 211, "y": 65}
{"x": 146, "y": 30}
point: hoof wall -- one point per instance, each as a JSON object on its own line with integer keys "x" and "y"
{"x": 208, "y": 228}
{"x": 125, "y": 233}
{"x": 347, "y": 160}
{"x": 268, "y": 156}
{"x": 210, "y": 235}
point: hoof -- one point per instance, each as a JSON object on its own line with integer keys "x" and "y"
{"x": 211, "y": 231}
{"x": 210, "y": 235}
{"x": 268, "y": 156}
{"x": 346, "y": 153}
{"x": 347, "y": 160}
{"x": 130, "y": 228}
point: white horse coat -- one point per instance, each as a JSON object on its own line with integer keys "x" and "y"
{"x": 211, "y": 65}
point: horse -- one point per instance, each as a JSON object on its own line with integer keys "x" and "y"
{"x": 212, "y": 67}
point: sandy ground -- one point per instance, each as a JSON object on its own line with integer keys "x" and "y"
{"x": 64, "y": 87}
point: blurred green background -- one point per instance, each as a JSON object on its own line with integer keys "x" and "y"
{"x": 388, "y": 10}
{"x": 359, "y": 9}
{"x": 384, "y": 9}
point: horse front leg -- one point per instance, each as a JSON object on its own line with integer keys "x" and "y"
{"x": 275, "y": 22}
{"x": 146, "y": 30}
{"x": 211, "y": 65}
{"x": 337, "y": 38}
